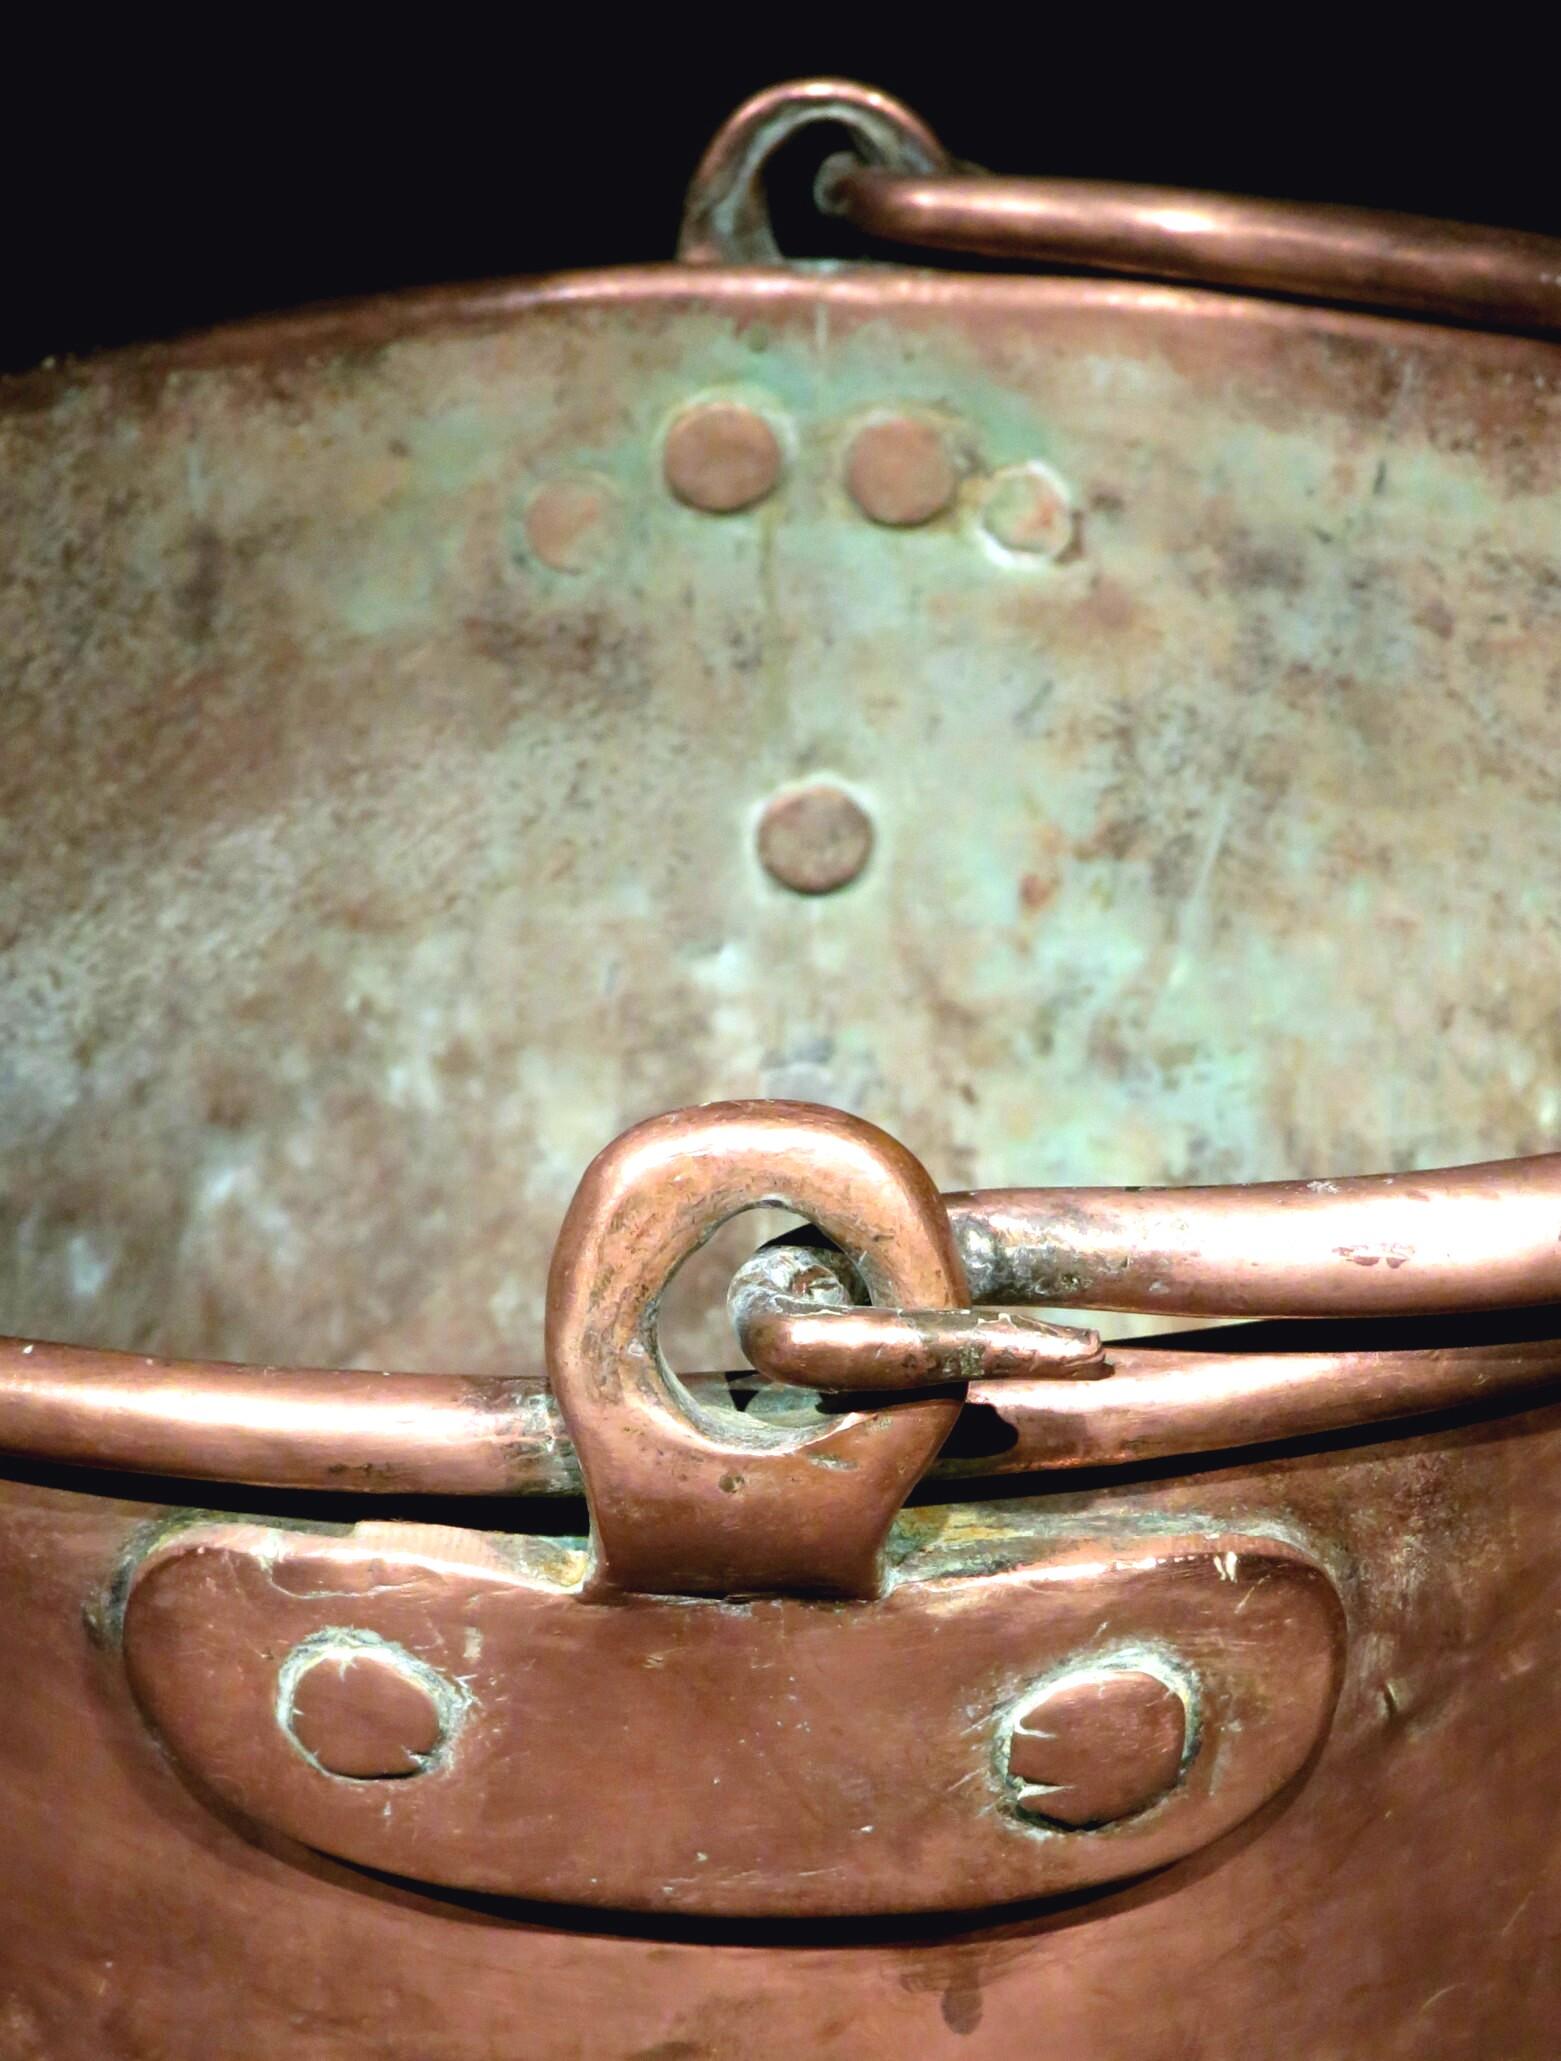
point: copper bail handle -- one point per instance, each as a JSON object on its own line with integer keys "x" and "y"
{"x": 688, "y": 1499}
{"x": 900, "y": 186}
{"x": 1425, "y": 1247}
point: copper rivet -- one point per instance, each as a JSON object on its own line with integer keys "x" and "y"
{"x": 815, "y": 839}
{"x": 1027, "y": 511}
{"x": 721, "y": 457}
{"x": 901, "y": 472}
{"x": 359, "y": 1712}
{"x": 569, "y": 522}
{"x": 1097, "y": 1745}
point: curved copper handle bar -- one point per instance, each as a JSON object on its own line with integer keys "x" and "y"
{"x": 1481, "y": 1237}
{"x": 1362, "y": 258}
{"x": 855, "y": 1352}
{"x": 1158, "y": 1403}
{"x": 1471, "y": 1238}
{"x": 442, "y": 1434}
{"x": 282, "y": 1427}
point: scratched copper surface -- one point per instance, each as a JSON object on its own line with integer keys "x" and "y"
{"x": 377, "y": 837}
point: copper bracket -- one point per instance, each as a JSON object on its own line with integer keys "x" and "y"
{"x": 779, "y": 1756}
{"x": 732, "y": 1700}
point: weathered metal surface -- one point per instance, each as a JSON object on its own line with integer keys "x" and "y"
{"x": 775, "y": 1756}
{"x": 363, "y": 871}
{"x": 721, "y": 457}
{"x": 726, "y": 218}
{"x": 863, "y": 1733}
{"x": 362, "y": 1709}
{"x": 814, "y": 839}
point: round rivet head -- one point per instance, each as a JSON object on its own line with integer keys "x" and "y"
{"x": 1026, "y": 511}
{"x": 901, "y": 472}
{"x": 815, "y": 839}
{"x": 569, "y": 523}
{"x": 1096, "y": 1746}
{"x": 721, "y": 457}
{"x": 364, "y": 1711}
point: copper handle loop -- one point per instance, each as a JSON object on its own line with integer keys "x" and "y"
{"x": 726, "y": 218}
{"x": 687, "y": 1501}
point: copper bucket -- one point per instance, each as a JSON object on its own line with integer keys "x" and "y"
{"x": 1087, "y": 715}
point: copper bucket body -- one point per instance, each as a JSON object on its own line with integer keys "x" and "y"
{"x": 1100, "y": 731}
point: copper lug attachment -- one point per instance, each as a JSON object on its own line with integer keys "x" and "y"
{"x": 798, "y": 1320}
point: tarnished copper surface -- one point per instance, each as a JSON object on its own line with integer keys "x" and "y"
{"x": 1467, "y": 1238}
{"x": 349, "y": 1135}
{"x": 452, "y": 1435}
{"x": 854, "y": 1351}
{"x": 726, "y": 219}
{"x": 570, "y": 524}
{"x": 900, "y": 472}
{"x": 287, "y": 1427}
{"x": 357, "y": 1709}
{"x": 792, "y": 1309}
{"x": 1157, "y": 1402}
{"x": 1026, "y": 509}
{"x": 775, "y": 1757}
{"x": 721, "y": 457}
{"x": 380, "y": 764}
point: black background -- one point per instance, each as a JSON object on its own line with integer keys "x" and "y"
{"x": 154, "y": 184}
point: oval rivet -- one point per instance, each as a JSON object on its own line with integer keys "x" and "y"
{"x": 1026, "y": 510}
{"x": 815, "y": 839}
{"x": 1097, "y": 1745}
{"x": 721, "y": 457}
{"x": 568, "y": 523}
{"x": 901, "y": 472}
{"x": 360, "y": 1708}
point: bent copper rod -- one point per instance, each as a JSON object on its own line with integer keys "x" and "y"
{"x": 857, "y": 1350}
{"x": 1502, "y": 278}
{"x": 1465, "y": 1238}
{"x": 442, "y": 1434}
{"x": 793, "y": 1311}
